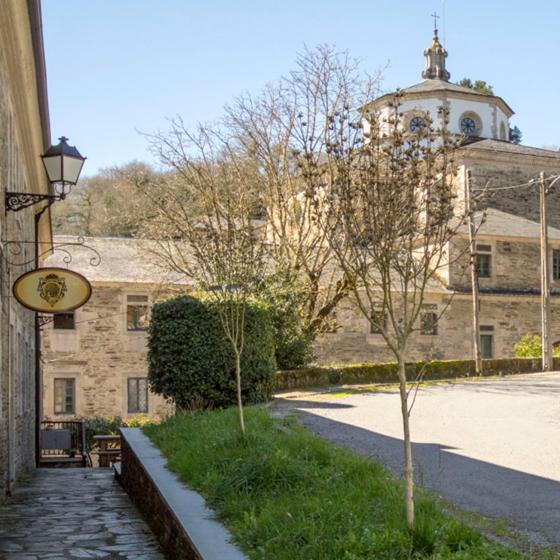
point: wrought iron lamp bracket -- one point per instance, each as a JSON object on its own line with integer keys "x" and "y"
{"x": 44, "y": 320}
{"x": 12, "y": 251}
{"x": 17, "y": 201}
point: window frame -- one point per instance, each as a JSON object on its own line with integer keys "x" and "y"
{"x": 137, "y": 304}
{"x": 373, "y": 330}
{"x": 429, "y": 310}
{"x": 483, "y": 250}
{"x": 59, "y": 328}
{"x": 137, "y": 409}
{"x": 555, "y": 265}
{"x": 475, "y": 117}
{"x": 66, "y": 380}
{"x": 488, "y": 332}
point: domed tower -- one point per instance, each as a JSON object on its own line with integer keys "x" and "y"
{"x": 435, "y": 56}
{"x": 471, "y": 113}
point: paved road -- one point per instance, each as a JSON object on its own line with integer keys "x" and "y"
{"x": 71, "y": 514}
{"x": 491, "y": 447}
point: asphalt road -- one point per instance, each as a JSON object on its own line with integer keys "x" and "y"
{"x": 490, "y": 447}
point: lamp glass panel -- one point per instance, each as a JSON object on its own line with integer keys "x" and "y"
{"x": 72, "y": 168}
{"x": 52, "y": 165}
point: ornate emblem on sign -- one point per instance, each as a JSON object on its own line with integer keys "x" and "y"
{"x": 52, "y": 288}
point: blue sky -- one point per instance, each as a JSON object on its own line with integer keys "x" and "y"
{"x": 118, "y": 66}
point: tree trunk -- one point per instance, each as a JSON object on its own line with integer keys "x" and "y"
{"x": 408, "y": 468}
{"x": 239, "y": 401}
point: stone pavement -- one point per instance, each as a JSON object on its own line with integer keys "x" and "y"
{"x": 65, "y": 514}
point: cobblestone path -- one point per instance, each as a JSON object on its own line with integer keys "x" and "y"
{"x": 63, "y": 514}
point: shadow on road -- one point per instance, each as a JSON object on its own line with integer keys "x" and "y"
{"x": 528, "y": 502}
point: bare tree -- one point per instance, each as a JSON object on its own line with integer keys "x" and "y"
{"x": 205, "y": 228}
{"x": 390, "y": 215}
{"x": 287, "y": 123}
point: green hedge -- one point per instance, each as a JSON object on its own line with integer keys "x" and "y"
{"x": 356, "y": 374}
{"x": 191, "y": 361}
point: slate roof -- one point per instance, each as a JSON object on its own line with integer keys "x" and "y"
{"x": 508, "y": 225}
{"x": 122, "y": 260}
{"x": 434, "y": 86}
{"x": 439, "y": 85}
{"x": 507, "y": 147}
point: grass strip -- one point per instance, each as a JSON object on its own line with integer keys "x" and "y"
{"x": 287, "y": 495}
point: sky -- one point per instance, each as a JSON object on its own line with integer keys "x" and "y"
{"x": 119, "y": 68}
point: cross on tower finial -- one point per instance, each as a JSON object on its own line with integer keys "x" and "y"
{"x": 435, "y": 56}
{"x": 436, "y": 17}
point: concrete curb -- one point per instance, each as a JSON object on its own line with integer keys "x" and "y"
{"x": 179, "y": 517}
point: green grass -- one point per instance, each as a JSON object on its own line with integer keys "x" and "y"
{"x": 287, "y": 495}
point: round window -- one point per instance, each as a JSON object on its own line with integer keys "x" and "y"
{"x": 416, "y": 124}
{"x": 468, "y": 125}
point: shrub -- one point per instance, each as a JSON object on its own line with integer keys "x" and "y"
{"x": 379, "y": 372}
{"x": 191, "y": 361}
{"x": 101, "y": 426}
{"x": 293, "y": 344}
{"x": 109, "y": 425}
{"x": 530, "y": 346}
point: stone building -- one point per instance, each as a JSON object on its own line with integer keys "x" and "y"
{"x": 95, "y": 358}
{"x": 507, "y": 244}
{"x": 508, "y": 262}
{"x": 24, "y": 135}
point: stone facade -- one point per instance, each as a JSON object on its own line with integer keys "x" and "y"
{"x": 24, "y": 134}
{"x": 106, "y": 344}
{"x": 509, "y": 300}
{"x": 100, "y": 355}
{"x": 509, "y": 316}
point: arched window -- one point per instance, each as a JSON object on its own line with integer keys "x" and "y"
{"x": 470, "y": 124}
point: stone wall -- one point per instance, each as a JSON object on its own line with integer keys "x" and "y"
{"x": 510, "y": 316}
{"x": 497, "y": 169}
{"x": 515, "y": 264}
{"x": 22, "y": 133}
{"x": 100, "y": 354}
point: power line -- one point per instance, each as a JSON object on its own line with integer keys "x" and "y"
{"x": 529, "y": 183}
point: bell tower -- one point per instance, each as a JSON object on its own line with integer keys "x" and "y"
{"x": 435, "y": 56}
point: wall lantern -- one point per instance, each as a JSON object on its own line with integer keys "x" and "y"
{"x": 63, "y": 164}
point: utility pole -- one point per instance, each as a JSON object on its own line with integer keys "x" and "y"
{"x": 545, "y": 280}
{"x": 474, "y": 274}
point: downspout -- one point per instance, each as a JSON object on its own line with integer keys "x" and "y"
{"x": 38, "y": 376}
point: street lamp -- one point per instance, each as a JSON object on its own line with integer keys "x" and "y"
{"x": 63, "y": 164}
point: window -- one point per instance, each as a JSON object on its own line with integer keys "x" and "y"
{"x": 483, "y": 260}
{"x": 64, "y": 321}
{"x": 64, "y": 395}
{"x": 470, "y": 124}
{"x": 137, "y": 311}
{"x": 376, "y": 321}
{"x": 416, "y": 124}
{"x": 556, "y": 264}
{"x": 486, "y": 342}
{"x": 428, "y": 320}
{"x": 137, "y": 394}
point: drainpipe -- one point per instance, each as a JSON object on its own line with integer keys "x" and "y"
{"x": 38, "y": 376}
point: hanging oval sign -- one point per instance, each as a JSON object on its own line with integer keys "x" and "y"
{"x": 52, "y": 290}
